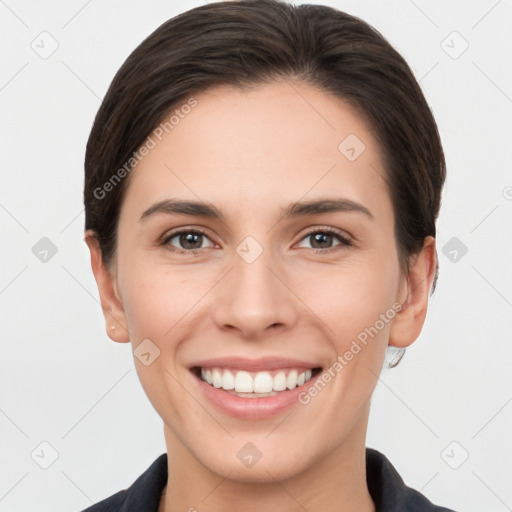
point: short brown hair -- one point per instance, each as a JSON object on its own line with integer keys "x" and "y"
{"x": 251, "y": 42}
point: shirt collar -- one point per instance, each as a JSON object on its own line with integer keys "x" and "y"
{"x": 386, "y": 487}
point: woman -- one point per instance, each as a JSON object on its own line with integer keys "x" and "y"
{"x": 262, "y": 183}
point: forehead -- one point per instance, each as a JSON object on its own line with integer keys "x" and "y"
{"x": 268, "y": 143}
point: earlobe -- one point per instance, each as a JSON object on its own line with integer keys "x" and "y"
{"x": 113, "y": 312}
{"x": 407, "y": 325}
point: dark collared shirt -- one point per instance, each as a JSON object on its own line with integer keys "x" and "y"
{"x": 386, "y": 487}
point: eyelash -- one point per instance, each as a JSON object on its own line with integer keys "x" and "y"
{"x": 345, "y": 241}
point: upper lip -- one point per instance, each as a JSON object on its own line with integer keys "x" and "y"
{"x": 255, "y": 365}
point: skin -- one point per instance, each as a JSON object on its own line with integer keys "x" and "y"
{"x": 251, "y": 154}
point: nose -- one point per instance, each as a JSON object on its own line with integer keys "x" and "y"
{"x": 254, "y": 298}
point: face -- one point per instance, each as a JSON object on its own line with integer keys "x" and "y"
{"x": 254, "y": 285}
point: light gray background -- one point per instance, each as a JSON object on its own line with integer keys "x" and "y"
{"x": 65, "y": 383}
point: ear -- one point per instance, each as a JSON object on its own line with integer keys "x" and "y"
{"x": 113, "y": 311}
{"x": 414, "y": 294}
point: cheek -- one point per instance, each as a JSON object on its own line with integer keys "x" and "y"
{"x": 349, "y": 296}
{"x": 355, "y": 303}
{"x": 159, "y": 306}
{"x": 157, "y": 299}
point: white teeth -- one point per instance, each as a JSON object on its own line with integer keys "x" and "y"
{"x": 228, "y": 381}
{"x": 280, "y": 381}
{"x": 217, "y": 378}
{"x": 256, "y": 383}
{"x": 263, "y": 383}
{"x": 291, "y": 381}
{"x": 243, "y": 382}
{"x": 206, "y": 375}
{"x": 253, "y": 395}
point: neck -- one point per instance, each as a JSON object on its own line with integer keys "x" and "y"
{"x": 336, "y": 482}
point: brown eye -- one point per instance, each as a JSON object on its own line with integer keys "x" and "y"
{"x": 323, "y": 240}
{"x": 187, "y": 241}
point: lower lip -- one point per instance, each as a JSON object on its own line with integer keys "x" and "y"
{"x": 252, "y": 408}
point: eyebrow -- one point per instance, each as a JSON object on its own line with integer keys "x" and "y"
{"x": 297, "y": 209}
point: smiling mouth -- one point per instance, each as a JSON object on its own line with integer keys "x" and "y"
{"x": 249, "y": 384}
